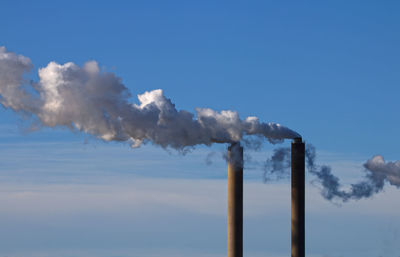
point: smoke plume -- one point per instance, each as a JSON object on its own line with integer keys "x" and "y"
{"x": 95, "y": 102}
{"x": 377, "y": 172}
{"x": 278, "y": 165}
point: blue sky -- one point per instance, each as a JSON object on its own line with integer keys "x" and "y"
{"x": 327, "y": 70}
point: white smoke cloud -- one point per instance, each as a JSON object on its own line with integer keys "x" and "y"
{"x": 12, "y": 69}
{"x": 389, "y": 171}
{"x": 95, "y": 102}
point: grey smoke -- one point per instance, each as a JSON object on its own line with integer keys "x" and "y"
{"x": 377, "y": 172}
{"x": 209, "y": 158}
{"x": 278, "y": 165}
{"x": 388, "y": 171}
{"x": 95, "y": 102}
{"x": 248, "y": 162}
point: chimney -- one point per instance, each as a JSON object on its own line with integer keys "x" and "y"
{"x": 298, "y": 207}
{"x": 235, "y": 200}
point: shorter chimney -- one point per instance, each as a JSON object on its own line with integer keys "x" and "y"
{"x": 235, "y": 200}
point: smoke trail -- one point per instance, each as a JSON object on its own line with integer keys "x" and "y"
{"x": 95, "y": 102}
{"x": 377, "y": 173}
{"x": 278, "y": 165}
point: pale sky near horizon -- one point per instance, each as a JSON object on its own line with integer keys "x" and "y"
{"x": 327, "y": 70}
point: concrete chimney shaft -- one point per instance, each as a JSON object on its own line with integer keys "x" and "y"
{"x": 298, "y": 195}
{"x": 235, "y": 200}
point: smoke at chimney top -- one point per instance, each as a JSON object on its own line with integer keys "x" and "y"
{"x": 95, "y": 102}
{"x": 377, "y": 173}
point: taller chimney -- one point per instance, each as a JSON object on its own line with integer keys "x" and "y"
{"x": 298, "y": 194}
{"x": 235, "y": 200}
